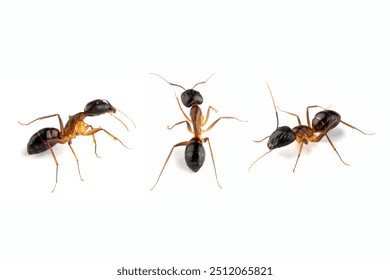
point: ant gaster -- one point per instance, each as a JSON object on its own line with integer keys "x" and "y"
{"x": 194, "y": 151}
{"x": 321, "y": 124}
{"x": 45, "y": 138}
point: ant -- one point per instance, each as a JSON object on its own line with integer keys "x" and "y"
{"x": 194, "y": 151}
{"x": 46, "y": 138}
{"x": 321, "y": 124}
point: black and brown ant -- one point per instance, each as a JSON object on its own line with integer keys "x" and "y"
{"x": 194, "y": 151}
{"x": 46, "y": 138}
{"x": 321, "y": 124}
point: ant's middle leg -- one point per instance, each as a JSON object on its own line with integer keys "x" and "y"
{"x": 56, "y": 162}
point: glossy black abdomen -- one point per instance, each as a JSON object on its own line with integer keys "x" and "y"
{"x": 195, "y": 154}
{"x": 39, "y": 142}
{"x": 324, "y": 119}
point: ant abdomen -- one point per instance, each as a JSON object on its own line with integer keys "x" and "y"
{"x": 40, "y": 141}
{"x": 98, "y": 107}
{"x": 323, "y": 119}
{"x": 195, "y": 154}
{"x": 281, "y": 137}
{"x": 190, "y": 97}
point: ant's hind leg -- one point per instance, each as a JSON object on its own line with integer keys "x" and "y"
{"x": 56, "y": 162}
{"x": 46, "y": 117}
{"x": 166, "y": 161}
{"x": 212, "y": 158}
{"x": 334, "y": 148}
{"x": 351, "y": 126}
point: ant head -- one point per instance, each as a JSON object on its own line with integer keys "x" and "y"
{"x": 98, "y": 107}
{"x": 281, "y": 137}
{"x": 190, "y": 97}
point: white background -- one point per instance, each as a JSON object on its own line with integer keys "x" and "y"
{"x": 325, "y": 221}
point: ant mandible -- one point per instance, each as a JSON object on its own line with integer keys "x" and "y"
{"x": 45, "y": 138}
{"x": 321, "y": 124}
{"x": 194, "y": 151}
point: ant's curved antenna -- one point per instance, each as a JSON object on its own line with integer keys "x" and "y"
{"x": 203, "y": 81}
{"x": 112, "y": 114}
{"x": 273, "y": 101}
{"x": 172, "y": 84}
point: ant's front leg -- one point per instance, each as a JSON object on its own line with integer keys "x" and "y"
{"x": 208, "y": 114}
{"x": 181, "y": 109}
{"x": 95, "y": 130}
{"x": 292, "y": 114}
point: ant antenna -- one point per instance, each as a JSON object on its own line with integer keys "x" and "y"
{"x": 203, "y": 81}
{"x": 273, "y": 101}
{"x": 168, "y": 81}
{"x": 112, "y": 114}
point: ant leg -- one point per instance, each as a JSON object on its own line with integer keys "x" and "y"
{"x": 55, "y": 160}
{"x": 259, "y": 141}
{"x": 94, "y": 141}
{"x": 181, "y": 109}
{"x": 46, "y": 117}
{"x": 292, "y": 114}
{"x": 95, "y": 130}
{"x": 351, "y": 126}
{"x": 77, "y": 160}
{"x": 212, "y": 157}
{"x": 215, "y": 122}
{"x": 166, "y": 161}
{"x": 188, "y": 126}
{"x": 307, "y": 113}
{"x": 299, "y": 154}
{"x": 249, "y": 169}
{"x": 208, "y": 114}
{"x": 334, "y": 148}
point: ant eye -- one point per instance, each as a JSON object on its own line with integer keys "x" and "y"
{"x": 190, "y": 97}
